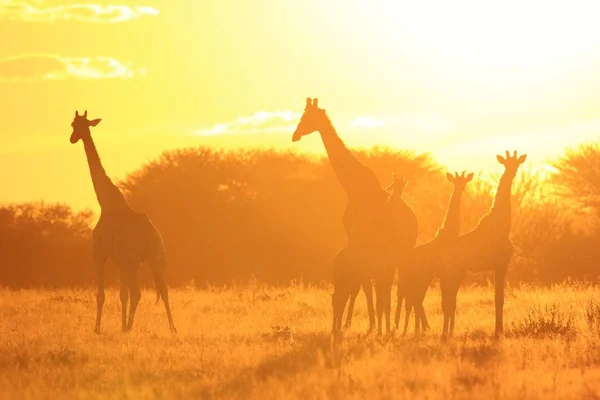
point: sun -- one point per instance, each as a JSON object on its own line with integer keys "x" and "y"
{"x": 508, "y": 34}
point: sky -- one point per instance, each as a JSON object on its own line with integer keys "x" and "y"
{"x": 462, "y": 80}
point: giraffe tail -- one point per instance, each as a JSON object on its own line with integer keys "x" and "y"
{"x": 157, "y": 260}
{"x": 158, "y": 272}
{"x": 159, "y": 279}
{"x": 157, "y": 295}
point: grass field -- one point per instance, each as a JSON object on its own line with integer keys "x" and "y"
{"x": 233, "y": 343}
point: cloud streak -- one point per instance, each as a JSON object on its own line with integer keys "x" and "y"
{"x": 286, "y": 121}
{"x": 39, "y": 67}
{"x": 261, "y": 122}
{"x": 31, "y": 12}
{"x": 367, "y": 122}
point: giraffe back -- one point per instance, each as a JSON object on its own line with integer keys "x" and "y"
{"x": 482, "y": 249}
{"x": 127, "y": 238}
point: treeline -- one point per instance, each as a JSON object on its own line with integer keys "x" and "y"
{"x": 230, "y": 216}
{"x": 44, "y": 245}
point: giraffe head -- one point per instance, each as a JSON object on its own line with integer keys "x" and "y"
{"x": 459, "y": 181}
{"x": 312, "y": 120}
{"x": 398, "y": 185}
{"x": 511, "y": 163}
{"x": 81, "y": 126}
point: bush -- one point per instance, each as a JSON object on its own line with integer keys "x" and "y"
{"x": 44, "y": 245}
{"x": 592, "y": 314}
{"x": 549, "y": 321}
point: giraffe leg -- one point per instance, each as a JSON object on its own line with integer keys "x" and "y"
{"x": 400, "y": 299}
{"x": 379, "y": 306}
{"x": 423, "y": 292}
{"x": 334, "y": 301}
{"x": 407, "y": 311}
{"x": 164, "y": 294}
{"x": 99, "y": 259}
{"x": 422, "y": 317}
{"x": 419, "y": 303}
{"x": 499, "y": 279}
{"x": 388, "y": 307}
{"x": 452, "y": 307}
{"x": 368, "y": 288}
{"x": 445, "y": 307}
{"x": 339, "y": 300}
{"x": 134, "y": 293}
{"x": 157, "y": 265}
{"x": 348, "y": 323}
{"x": 354, "y": 292}
{"x": 339, "y": 269}
{"x": 124, "y": 295}
{"x": 424, "y": 322}
{"x": 417, "y": 320}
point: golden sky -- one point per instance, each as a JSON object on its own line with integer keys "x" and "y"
{"x": 463, "y": 80}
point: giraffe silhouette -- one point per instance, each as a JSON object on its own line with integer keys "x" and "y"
{"x": 347, "y": 280}
{"x": 486, "y": 248}
{"x": 426, "y": 259}
{"x": 369, "y": 244}
{"x": 125, "y": 236}
{"x": 347, "y": 275}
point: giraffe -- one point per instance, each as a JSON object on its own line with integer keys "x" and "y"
{"x": 125, "y": 236}
{"x": 426, "y": 259}
{"x": 366, "y": 199}
{"x": 486, "y": 248}
{"x": 403, "y": 238}
{"x": 348, "y": 278}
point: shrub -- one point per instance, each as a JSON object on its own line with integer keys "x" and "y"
{"x": 542, "y": 322}
{"x": 592, "y": 315}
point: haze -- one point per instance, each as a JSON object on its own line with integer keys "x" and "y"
{"x": 462, "y": 82}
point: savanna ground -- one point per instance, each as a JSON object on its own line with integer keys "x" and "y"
{"x": 257, "y": 342}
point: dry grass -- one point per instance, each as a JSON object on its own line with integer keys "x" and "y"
{"x": 252, "y": 342}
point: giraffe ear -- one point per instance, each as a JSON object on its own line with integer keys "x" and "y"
{"x": 308, "y": 103}
{"x": 449, "y": 177}
{"x": 522, "y": 158}
{"x": 500, "y": 159}
{"x": 470, "y": 177}
{"x": 95, "y": 122}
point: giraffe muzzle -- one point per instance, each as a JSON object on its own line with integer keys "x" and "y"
{"x": 296, "y": 136}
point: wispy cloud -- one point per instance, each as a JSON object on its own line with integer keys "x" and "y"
{"x": 261, "y": 122}
{"x": 286, "y": 121}
{"x": 36, "y": 67}
{"x": 367, "y": 122}
{"x": 34, "y": 11}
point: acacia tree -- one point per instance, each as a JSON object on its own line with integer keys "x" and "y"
{"x": 229, "y": 215}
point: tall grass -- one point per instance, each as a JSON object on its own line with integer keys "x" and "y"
{"x": 273, "y": 342}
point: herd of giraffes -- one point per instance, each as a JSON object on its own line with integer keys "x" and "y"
{"x": 381, "y": 230}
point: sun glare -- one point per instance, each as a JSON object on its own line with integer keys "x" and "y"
{"x": 509, "y": 34}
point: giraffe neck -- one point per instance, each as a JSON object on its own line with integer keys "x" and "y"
{"x": 108, "y": 195}
{"x": 337, "y": 152}
{"x": 498, "y": 219}
{"x": 353, "y": 175}
{"x": 501, "y": 207}
{"x": 451, "y": 224}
